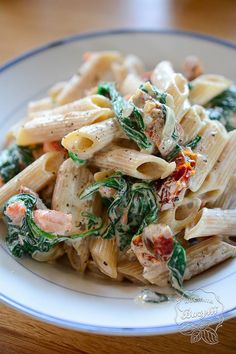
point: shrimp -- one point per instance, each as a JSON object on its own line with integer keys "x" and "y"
{"x": 53, "y": 221}
{"x": 16, "y": 212}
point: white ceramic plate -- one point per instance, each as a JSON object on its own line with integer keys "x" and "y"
{"x": 57, "y": 294}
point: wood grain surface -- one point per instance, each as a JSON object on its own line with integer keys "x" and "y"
{"x": 25, "y": 24}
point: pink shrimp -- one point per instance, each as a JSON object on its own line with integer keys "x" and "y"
{"x": 53, "y": 221}
{"x": 16, "y": 212}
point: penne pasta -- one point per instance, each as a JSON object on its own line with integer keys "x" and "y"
{"x": 36, "y": 176}
{"x": 212, "y": 222}
{"x": 85, "y": 104}
{"x": 40, "y": 105}
{"x": 133, "y": 163}
{"x": 71, "y": 181}
{"x": 218, "y": 178}
{"x": 162, "y": 75}
{"x": 227, "y": 198}
{"x": 192, "y": 122}
{"x": 206, "y": 87}
{"x": 88, "y": 140}
{"x": 182, "y": 214}
{"x": 51, "y": 128}
{"x": 132, "y": 270}
{"x": 89, "y": 75}
{"x": 105, "y": 253}
{"x": 213, "y": 140}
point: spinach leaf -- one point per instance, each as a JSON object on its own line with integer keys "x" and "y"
{"x": 75, "y": 158}
{"x": 152, "y": 91}
{"x": 127, "y": 114}
{"x": 223, "y": 107}
{"x": 177, "y": 265}
{"x": 132, "y": 208}
{"x": 193, "y": 143}
{"x": 13, "y": 160}
{"x": 28, "y": 237}
{"x": 173, "y": 153}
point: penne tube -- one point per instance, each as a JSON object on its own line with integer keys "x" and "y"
{"x": 40, "y": 105}
{"x": 94, "y": 270}
{"x": 88, "y": 140}
{"x": 162, "y": 75}
{"x": 85, "y": 104}
{"x": 182, "y": 214}
{"x": 71, "y": 181}
{"x": 192, "y": 122}
{"x": 218, "y": 178}
{"x": 214, "y": 139}
{"x": 52, "y": 128}
{"x": 200, "y": 258}
{"x": 50, "y": 256}
{"x": 35, "y": 176}
{"x": 133, "y": 163}
{"x": 212, "y": 222}
{"x": 130, "y": 84}
{"x": 54, "y": 91}
{"x": 90, "y": 73}
{"x": 227, "y": 199}
{"x": 105, "y": 253}
{"x": 78, "y": 253}
{"x": 206, "y": 87}
{"x": 179, "y": 90}
{"x": 132, "y": 270}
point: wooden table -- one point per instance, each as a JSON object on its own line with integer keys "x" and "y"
{"x": 26, "y": 24}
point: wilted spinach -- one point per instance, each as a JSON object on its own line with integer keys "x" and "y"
{"x": 223, "y": 107}
{"x": 13, "y": 160}
{"x": 28, "y": 237}
{"x": 127, "y": 114}
{"x": 131, "y": 208}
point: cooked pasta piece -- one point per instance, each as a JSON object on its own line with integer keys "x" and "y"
{"x": 55, "y": 127}
{"x": 182, "y": 214}
{"x": 214, "y": 138}
{"x": 94, "y": 270}
{"x": 133, "y": 163}
{"x": 212, "y": 222}
{"x": 192, "y": 122}
{"x": 130, "y": 84}
{"x": 179, "y": 90}
{"x": 40, "y": 105}
{"x": 71, "y": 181}
{"x": 50, "y": 256}
{"x": 35, "y": 176}
{"x": 205, "y": 87}
{"x": 218, "y": 178}
{"x": 85, "y": 104}
{"x": 132, "y": 270}
{"x": 88, "y": 140}
{"x": 227, "y": 198}
{"x": 131, "y": 65}
{"x": 90, "y": 73}
{"x": 200, "y": 258}
{"x": 54, "y": 91}
{"x": 162, "y": 75}
{"x": 105, "y": 253}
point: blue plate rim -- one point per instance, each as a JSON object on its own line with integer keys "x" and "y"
{"x": 78, "y": 37}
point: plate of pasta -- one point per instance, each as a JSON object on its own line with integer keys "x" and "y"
{"x": 117, "y": 174}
